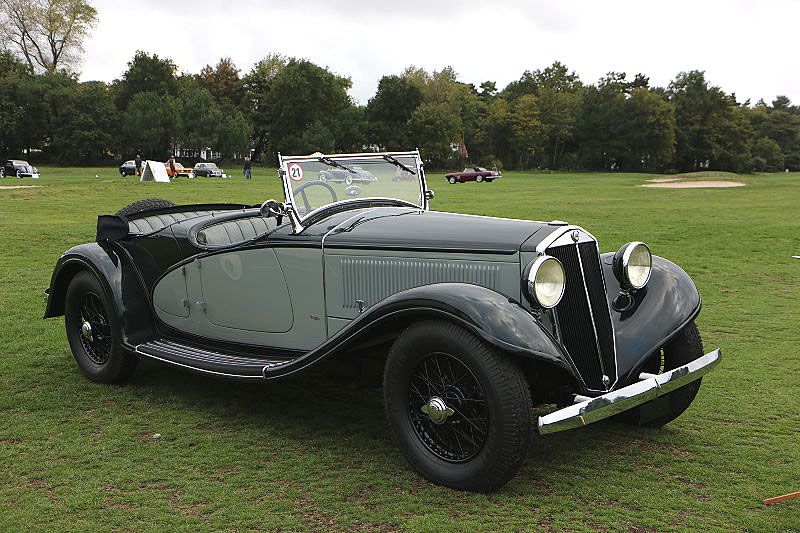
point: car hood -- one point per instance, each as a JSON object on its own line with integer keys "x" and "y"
{"x": 415, "y": 229}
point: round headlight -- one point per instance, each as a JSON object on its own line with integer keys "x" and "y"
{"x": 546, "y": 281}
{"x": 633, "y": 264}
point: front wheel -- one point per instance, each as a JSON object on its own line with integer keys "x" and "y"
{"x": 452, "y": 180}
{"x": 459, "y": 411}
{"x": 684, "y": 347}
{"x": 2, "y": 173}
{"x": 19, "y": 174}
{"x": 93, "y": 332}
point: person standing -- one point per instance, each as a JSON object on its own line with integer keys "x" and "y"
{"x": 138, "y": 164}
{"x": 247, "y": 167}
{"x": 172, "y": 171}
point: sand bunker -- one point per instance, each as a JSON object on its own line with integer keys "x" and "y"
{"x": 19, "y": 186}
{"x": 662, "y": 180}
{"x": 694, "y": 184}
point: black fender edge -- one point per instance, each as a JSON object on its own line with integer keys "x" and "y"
{"x": 498, "y": 320}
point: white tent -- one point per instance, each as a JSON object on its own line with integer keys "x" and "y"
{"x": 154, "y": 171}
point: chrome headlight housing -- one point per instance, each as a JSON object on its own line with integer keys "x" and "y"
{"x": 633, "y": 264}
{"x": 545, "y": 281}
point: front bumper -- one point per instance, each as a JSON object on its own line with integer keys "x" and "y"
{"x": 615, "y": 402}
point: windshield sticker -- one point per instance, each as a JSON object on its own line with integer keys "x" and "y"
{"x": 295, "y": 172}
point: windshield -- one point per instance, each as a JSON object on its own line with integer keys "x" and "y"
{"x": 313, "y": 182}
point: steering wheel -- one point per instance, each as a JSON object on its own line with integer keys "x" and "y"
{"x": 301, "y": 191}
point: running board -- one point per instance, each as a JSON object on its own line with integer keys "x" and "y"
{"x": 199, "y": 359}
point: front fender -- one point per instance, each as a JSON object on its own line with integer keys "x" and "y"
{"x": 661, "y": 309}
{"x": 121, "y": 283}
{"x": 491, "y": 316}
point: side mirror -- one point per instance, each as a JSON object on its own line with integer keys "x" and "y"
{"x": 273, "y": 209}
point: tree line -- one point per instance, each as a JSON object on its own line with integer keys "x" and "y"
{"x": 547, "y": 119}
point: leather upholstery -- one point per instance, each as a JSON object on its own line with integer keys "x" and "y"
{"x": 153, "y": 223}
{"x": 235, "y": 231}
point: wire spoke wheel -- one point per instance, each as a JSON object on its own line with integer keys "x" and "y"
{"x": 94, "y": 329}
{"x": 447, "y": 408}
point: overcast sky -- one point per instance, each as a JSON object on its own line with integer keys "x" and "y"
{"x": 746, "y": 47}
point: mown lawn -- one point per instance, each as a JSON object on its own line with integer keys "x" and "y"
{"x": 313, "y": 454}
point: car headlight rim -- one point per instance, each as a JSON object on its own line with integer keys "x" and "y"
{"x": 636, "y": 262}
{"x": 545, "y": 281}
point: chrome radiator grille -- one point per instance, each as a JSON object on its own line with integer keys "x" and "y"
{"x": 583, "y": 316}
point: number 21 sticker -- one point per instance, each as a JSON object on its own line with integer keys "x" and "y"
{"x": 295, "y": 172}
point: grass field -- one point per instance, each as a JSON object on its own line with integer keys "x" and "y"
{"x": 318, "y": 455}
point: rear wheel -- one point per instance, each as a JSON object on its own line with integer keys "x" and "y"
{"x": 683, "y": 348}
{"x": 2, "y": 172}
{"x": 479, "y": 179}
{"x": 144, "y": 205}
{"x": 459, "y": 411}
{"x": 93, "y": 332}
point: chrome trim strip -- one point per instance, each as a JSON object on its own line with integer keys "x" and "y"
{"x": 618, "y": 401}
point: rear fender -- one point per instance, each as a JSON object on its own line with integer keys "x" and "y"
{"x": 496, "y": 319}
{"x": 120, "y": 280}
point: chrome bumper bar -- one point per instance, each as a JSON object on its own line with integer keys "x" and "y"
{"x": 614, "y": 402}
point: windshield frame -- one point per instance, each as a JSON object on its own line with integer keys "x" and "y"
{"x": 347, "y": 160}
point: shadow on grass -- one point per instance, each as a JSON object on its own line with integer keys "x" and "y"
{"x": 334, "y": 414}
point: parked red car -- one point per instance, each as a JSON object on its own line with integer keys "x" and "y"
{"x": 478, "y": 174}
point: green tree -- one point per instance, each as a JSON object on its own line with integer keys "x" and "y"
{"x": 527, "y": 128}
{"x": 47, "y": 34}
{"x": 149, "y": 125}
{"x": 223, "y": 82}
{"x": 767, "y": 155}
{"x": 198, "y": 115}
{"x": 712, "y": 130}
{"x": 390, "y": 109}
{"x": 85, "y": 130}
{"x": 233, "y": 132}
{"x": 306, "y": 104}
{"x": 12, "y": 74}
{"x": 649, "y": 131}
{"x": 434, "y": 128}
{"x": 147, "y": 73}
{"x": 257, "y": 86}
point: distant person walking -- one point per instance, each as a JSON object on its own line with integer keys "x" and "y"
{"x": 138, "y": 164}
{"x": 247, "y": 168}
{"x": 172, "y": 166}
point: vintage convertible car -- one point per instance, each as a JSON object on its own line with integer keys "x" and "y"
{"x": 471, "y": 321}
{"x": 353, "y": 174}
{"x": 478, "y": 174}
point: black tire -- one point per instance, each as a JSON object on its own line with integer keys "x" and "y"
{"x": 2, "y": 173}
{"x": 99, "y": 353}
{"x": 452, "y": 180}
{"x": 489, "y": 180}
{"x": 144, "y": 205}
{"x": 490, "y": 399}
{"x": 684, "y": 347}
{"x": 19, "y": 174}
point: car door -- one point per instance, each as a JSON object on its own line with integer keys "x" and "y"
{"x": 244, "y": 292}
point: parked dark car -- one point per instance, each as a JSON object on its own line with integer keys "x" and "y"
{"x": 128, "y": 168}
{"x": 478, "y": 174}
{"x": 15, "y": 168}
{"x": 354, "y": 174}
{"x": 208, "y": 170}
{"x": 471, "y": 321}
